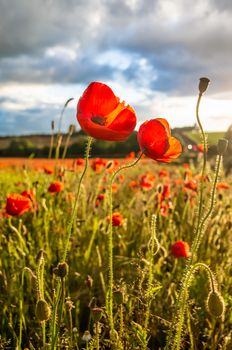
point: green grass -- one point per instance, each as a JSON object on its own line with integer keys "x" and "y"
{"x": 212, "y": 137}
{"x": 44, "y": 228}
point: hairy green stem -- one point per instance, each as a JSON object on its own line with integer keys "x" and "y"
{"x": 182, "y": 302}
{"x": 67, "y": 242}
{"x": 109, "y": 295}
{"x": 204, "y": 161}
{"x": 152, "y": 253}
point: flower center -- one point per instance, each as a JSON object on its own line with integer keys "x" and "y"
{"x": 99, "y": 120}
{"x": 109, "y": 118}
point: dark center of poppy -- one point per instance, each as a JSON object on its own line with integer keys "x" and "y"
{"x": 98, "y": 120}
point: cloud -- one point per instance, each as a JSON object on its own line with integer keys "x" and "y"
{"x": 152, "y": 49}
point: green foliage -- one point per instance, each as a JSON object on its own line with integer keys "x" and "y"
{"x": 45, "y": 228}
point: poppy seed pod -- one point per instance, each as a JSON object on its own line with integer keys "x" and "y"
{"x": 222, "y": 146}
{"x": 62, "y": 269}
{"x": 42, "y": 311}
{"x": 215, "y": 304}
{"x": 96, "y": 313}
{"x": 203, "y": 85}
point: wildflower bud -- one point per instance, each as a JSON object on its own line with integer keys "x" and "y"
{"x": 42, "y": 311}
{"x": 222, "y": 146}
{"x": 61, "y": 270}
{"x": 215, "y": 304}
{"x": 96, "y": 314}
{"x": 160, "y": 188}
{"x": 109, "y": 164}
{"x": 53, "y": 125}
{"x": 86, "y": 336}
{"x": 119, "y": 296}
{"x": 89, "y": 282}
{"x": 71, "y": 129}
{"x": 203, "y": 85}
{"x": 69, "y": 304}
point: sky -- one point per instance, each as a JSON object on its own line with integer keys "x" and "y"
{"x": 151, "y": 53}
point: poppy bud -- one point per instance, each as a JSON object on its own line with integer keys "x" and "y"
{"x": 109, "y": 164}
{"x": 53, "y": 125}
{"x": 96, "y": 313}
{"x": 203, "y": 85}
{"x": 42, "y": 311}
{"x": 222, "y": 146}
{"x": 61, "y": 270}
{"x": 215, "y": 304}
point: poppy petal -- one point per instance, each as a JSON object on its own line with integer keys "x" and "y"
{"x": 153, "y": 139}
{"x": 97, "y": 100}
{"x": 125, "y": 121}
{"x": 165, "y": 123}
{"x": 173, "y": 151}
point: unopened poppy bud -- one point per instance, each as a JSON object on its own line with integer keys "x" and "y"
{"x": 222, "y": 146}
{"x": 215, "y": 304}
{"x": 42, "y": 311}
{"x": 61, "y": 270}
{"x": 160, "y": 188}
{"x": 203, "y": 85}
{"x": 119, "y": 296}
{"x": 109, "y": 164}
{"x": 53, "y": 125}
{"x": 96, "y": 314}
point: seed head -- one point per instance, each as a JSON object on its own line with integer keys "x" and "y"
{"x": 61, "y": 270}
{"x": 203, "y": 85}
{"x": 96, "y": 314}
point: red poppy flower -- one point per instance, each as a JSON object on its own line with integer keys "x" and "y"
{"x": 222, "y": 186}
{"x": 181, "y": 249}
{"x": 133, "y": 185}
{"x": 163, "y": 173}
{"x": 98, "y": 164}
{"x": 117, "y": 219}
{"x": 102, "y": 116}
{"x": 29, "y": 194}
{"x": 191, "y": 185}
{"x": 147, "y": 181}
{"x": 16, "y": 204}
{"x": 99, "y": 199}
{"x": 80, "y": 162}
{"x": 56, "y": 187}
{"x": 48, "y": 170}
{"x": 155, "y": 140}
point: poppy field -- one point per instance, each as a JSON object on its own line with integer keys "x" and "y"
{"x": 130, "y": 253}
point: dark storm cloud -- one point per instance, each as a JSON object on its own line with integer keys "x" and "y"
{"x": 180, "y": 40}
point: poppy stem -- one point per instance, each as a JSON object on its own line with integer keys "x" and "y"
{"x": 54, "y": 332}
{"x": 109, "y": 294}
{"x": 183, "y": 298}
{"x": 203, "y": 166}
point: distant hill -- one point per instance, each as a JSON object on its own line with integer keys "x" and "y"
{"x": 38, "y": 145}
